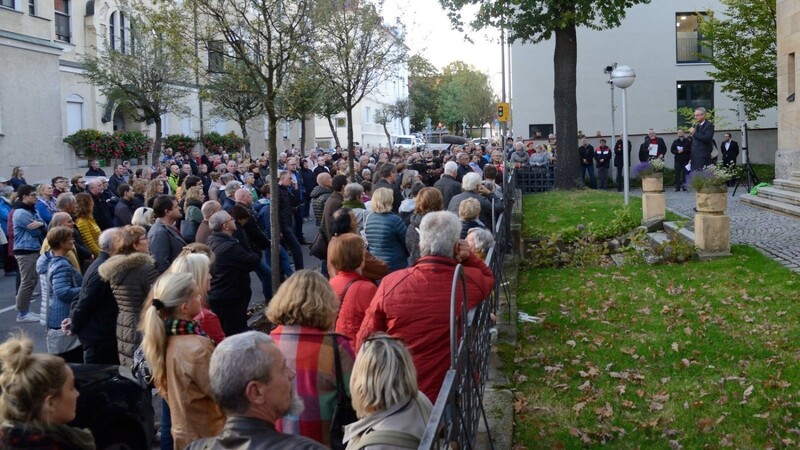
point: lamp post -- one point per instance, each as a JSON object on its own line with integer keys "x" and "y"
{"x": 608, "y": 70}
{"x": 623, "y": 77}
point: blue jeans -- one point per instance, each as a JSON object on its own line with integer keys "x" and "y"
{"x": 166, "y": 427}
{"x": 265, "y": 276}
{"x": 285, "y": 262}
{"x": 592, "y": 179}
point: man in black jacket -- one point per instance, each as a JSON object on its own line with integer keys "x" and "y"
{"x": 94, "y": 315}
{"x": 447, "y": 184}
{"x": 123, "y": 212}
{"x": 653, "y": 147}
{"x": 287, "y": 202}
{"x": 586, "y": 155}
{"x": 682, "y": 149}
{"x": 230, "y": 290}
{"x": 619, "y": 161}
{"x": 388, "y": 179}
{"x": 702, "y": 140}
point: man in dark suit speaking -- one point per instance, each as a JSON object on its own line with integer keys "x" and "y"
{"x": 702, "y": 135}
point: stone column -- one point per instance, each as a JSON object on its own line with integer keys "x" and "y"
{"x": 653, "y": 203}
{"x": 712, "y": 228}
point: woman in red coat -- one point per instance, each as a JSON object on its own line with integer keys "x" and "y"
{"x": 355, "y": 292}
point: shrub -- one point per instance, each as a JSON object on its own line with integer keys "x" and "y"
{"x": 180, "y": 143}
{"x": 135, "y": 143}
{"x": 81, "y": 141}
{"x": 99, "y": 145}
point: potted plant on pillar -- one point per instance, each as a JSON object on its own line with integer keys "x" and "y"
{"x": 652, "y": 174}
{"x": 711, "y": 186}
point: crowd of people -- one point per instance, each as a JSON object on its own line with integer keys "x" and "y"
{"x": 151, "y": 269}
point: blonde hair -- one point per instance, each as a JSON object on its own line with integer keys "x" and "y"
{"x": 197, "y": 265}
{"x": 306, "y": 298}
{"x": 194, "y": 193}
{"x": 383, "y": 375}
{"x": 469, "y": 209}
{"x": 382, "y": 200}
{"x": 172, "y": 290}
{"x": 27, "y": 379}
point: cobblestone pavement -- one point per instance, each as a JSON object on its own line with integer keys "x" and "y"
{"x": 776, "y": 235}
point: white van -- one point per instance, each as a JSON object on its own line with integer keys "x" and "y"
{"x": 408, "y": 141}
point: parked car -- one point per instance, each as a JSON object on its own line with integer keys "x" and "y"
{"x": 409, "y": 141}
{"x": 114, "y": 407}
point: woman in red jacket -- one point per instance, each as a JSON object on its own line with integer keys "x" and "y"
{"x": 355, "y": 292}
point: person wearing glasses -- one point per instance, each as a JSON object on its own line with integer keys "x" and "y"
{"x": 702, "y": 140}
{"x": 230, "y": 290}
{"x": 28, "y": 232}
{"x": 78, "y": 184}
{"x": 60, "y": 185}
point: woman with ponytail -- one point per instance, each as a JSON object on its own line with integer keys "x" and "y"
{"x": 178, "y": 352}
{"x": 38, "y": 400}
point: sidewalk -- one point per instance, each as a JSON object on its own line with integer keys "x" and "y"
{"x": 775, "y": 235}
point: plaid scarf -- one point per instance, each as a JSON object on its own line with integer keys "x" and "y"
{"x": 179, "y": 327}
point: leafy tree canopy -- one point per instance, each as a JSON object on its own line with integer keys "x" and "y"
{"x": 744, "y": 39}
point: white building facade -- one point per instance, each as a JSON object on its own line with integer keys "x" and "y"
{"x": 45, "y": 97}
{"x": 366, "y": 131}
{"x": 661, "y": 43}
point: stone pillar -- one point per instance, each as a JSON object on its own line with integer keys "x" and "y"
{"x": 653, "y": 203}
{"x": 712, "y": 228}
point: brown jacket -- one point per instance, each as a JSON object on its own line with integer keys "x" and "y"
{"x": 130, "y": 277}
{"x": 194, "y": 412}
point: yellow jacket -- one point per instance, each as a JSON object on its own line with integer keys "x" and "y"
{"x": 90, "y": 233}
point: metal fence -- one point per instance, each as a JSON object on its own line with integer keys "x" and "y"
{"x": 535, "y": 179}
{"x": 459, "y": 408}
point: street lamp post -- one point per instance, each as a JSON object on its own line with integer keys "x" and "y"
{"x": 623, "y": 77}
{"x": 608, "y": 70}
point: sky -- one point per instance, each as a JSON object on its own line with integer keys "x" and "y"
{"x": 430, "y": 33}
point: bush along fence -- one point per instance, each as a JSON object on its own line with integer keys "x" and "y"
{"x": 459, "y": 408}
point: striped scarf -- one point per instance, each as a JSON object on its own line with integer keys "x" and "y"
{"x": 179, "y": 327}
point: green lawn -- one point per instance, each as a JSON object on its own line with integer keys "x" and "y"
{"x": 554, "y": 211}
{"x": 704, "y": 354}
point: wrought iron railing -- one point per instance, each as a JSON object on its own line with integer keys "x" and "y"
{"x": 535, "y": 179}
{"x": 459, "y": 408}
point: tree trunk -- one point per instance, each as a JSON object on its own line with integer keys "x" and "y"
{"x": 274, "y": 217}
{"x": 156, "y": 151}
{"x": 565, "y": 61}
{"x": 243, "y": 125}
{"x": 333, "y": 131}
{"x": 388, "y": 136}
{"x": 350, "y": 146}
{"x": 402, "y": 125}
{"x": 302, "y": 138}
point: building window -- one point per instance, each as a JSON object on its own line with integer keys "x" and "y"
{"x": 74, "y": 113}
{"x": 369, "y": 115}
{"x": 691, "y": 46}
{"x": 62, "y": 20}
{"x": 120, "y": 37}
{"x": 32, "y": 7}
{"x": 8, "y": 4}
{"x": 216, "y": 56}
{"x": 694, "y": 94}
{"x": 540, "y": 130}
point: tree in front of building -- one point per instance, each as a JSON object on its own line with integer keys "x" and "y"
{"x": 146, "y": 75}
{"x": 331, "y": 104}
{"x": 357, "y": 52}
{"x": 423, "y": 92}
{"x": 234, "y": 94}
{"x": 383, "y": 116}
{"x": 301, "y": 99}
{"x": 400, "y": 110}
{"x": 534, "y": 21}
{"x": 745, "y": 52}
{"x": 269, "y": 38}
{"x": 465, "y": 94}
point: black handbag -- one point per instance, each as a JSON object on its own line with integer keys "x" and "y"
{"x": 343, "y": 414}
{"x": 319, "y": 246}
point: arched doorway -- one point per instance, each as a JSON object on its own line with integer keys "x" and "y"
{"x": 119, "y": 119}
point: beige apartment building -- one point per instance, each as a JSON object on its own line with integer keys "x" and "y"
{"x": 44, "y": 96}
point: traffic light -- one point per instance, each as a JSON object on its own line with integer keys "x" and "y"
{"x": 503, "y": 112}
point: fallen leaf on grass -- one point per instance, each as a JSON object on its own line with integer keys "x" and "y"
{"x": 579, "y": 407}
{"x": 655, "y": 406}
{"x": 674, "y": 346}
{"x": 585, "y": 386}
{"x": 747, "y": 393}
{"x": 705, "y": 424}
{"x": 571, "y": 343}
{"x": 520, "y": 403}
